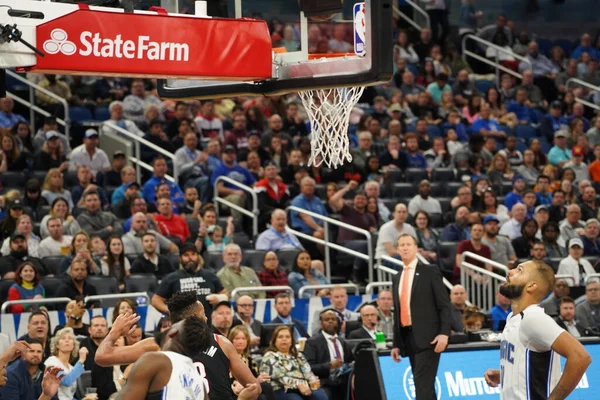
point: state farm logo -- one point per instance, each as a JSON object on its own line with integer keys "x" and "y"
{"x": 95, "y": 45}
{"x": 58, "y": 43}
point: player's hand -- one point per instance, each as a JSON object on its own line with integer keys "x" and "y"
{"x": 396, "y": 355}
{"x": 441, "y": 342}
{"x": 264, "y": 378}
{"x": 123, "y": 325}
{"x": 250, "y": 392}
{"x": 492, "y": 377}
{"x": 15, "y": 350}
{"x": 51, "y": 381}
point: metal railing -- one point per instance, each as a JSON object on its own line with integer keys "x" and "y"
{"x": 592, "y": 278}
{"x": 66, "y": 122}
{"x": 480, "y": 283}
{"x": 239, "y": 290}
{"x": 117, "y": 296}
{"x": 495, "y": 64}
{"x": 326, "y": 242}
{"x": 252, "y": 214}
{"x": 352, "y": 286}
{"x": 412, "y": 21}
{"x": 385, "y": 274}
{"x": 373, "y": 285}
{"x": 586, "y": 85}
{"x": 137, "y": 158}
{"x": 54, "y": 300}
{"x": 565, "y": 278}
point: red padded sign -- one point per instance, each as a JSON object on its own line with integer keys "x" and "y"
{"x": 160, "y": 46}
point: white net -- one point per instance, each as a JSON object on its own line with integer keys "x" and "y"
{"x": 329, "y": 114}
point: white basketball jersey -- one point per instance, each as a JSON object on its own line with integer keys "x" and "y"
{"x": 529, "y": 368}
{"x": 185, "y": 382}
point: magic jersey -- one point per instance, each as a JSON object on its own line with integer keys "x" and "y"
{"x": 185, "y": 382}
{"x": 529, "y": 368}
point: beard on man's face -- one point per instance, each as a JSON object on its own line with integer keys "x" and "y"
{"x": 511, "y": 291}
{"x": 190, "y": 266}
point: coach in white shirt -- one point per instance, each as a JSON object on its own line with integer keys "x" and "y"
{"x": 56, "y": 244}
{"x": 574, "y": 265}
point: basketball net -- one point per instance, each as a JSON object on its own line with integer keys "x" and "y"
{"x": 329, "y": 114}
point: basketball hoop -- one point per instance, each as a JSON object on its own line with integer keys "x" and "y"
{"x": 329, "y": 114}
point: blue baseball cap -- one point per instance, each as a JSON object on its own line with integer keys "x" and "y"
{"x": 490, "y": 218}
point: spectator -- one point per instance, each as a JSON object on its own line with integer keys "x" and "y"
{"x": 159, "y": 169}
{"x": 512, "y": 228}
{"x": 11, "y": 159}
{"x": 76, "y": 284}
{"x": 182, "y": 111}
{"x": 473, "y": 319}
{"x": 409, "y": 88}
{"x": 127, "y": 176}
{"x": 65, "y": 349}
{"x": 363, "y": 151}
{"x": 277, "y": 237}
{"x": 524, "y": 244}
{"x": 577, "y": 165}
{"x": 9, "y": 223}
{"x": 272, "y": 194}
{"x": 593, "y": 134}
{"x": 89, "y": 154}
{"x": 578, "y": 112}
{"x": 276, "y": 130}
{"x": 288, "y": 368}
{"x": 588, "y": 311}
{"x": 23, "y": 136}
{"x": 33, "y": 199}
{"x": 52, "y": 154}
{"x": 208, "y": 123}
{"x": 51, "y": 104}
{"x": 7, "y": 117}
{"x": 234, "y": 275}
{"x": 473, "y": 245}
{"x": 393, "y": 157}
{"x": 404, "y": 49}
{"x": 38, "y": 327}
{"x": 585, "y": 46}
{"x": 150, "y": 262}
{"x": 293, "y": 123}
{"x": 135, "y": 104}
{"x": 572, "y": 226}
{"x": 391, "y": 230}
{"x": 96, "y": 222}
{"x": 575, "y": 265}
{"x": 529, "y": 200}
{"x": 25, "y": 228}
{"x": 23, "y": 378}
{"x": 553, "y": 121}
{"x": 458, "y": 299}
{"x": 243, "y": 316}
{"x": 530, "y": 172}
{"x": 591, "y": 243}
{"x": 424, "y": 45}
{"x": 222, "y": 318}
{"x": 566, "y": 319}
{"x": 27, "y": 286}
{"x": 500, "y": 311}
{"x": 498, "y": 32}
{"x": 521, "y": 106}
{"x": 56, "y": 244}
{"x": 80, "y": 250}
{"x": 170, "y": 224}
{"x": 490, "y": 207}
{"x": 271, "y": 274}
{"x": 192, "y": 167}
{"x": 499, "y": 170}
{"x": 122, "y": 307}
{"x": 74, "y": 312}
{"x": 437, "y": 88}
{"x": 308, "y": 201}
{"x": 283, "y": 308}
{"x": 368, "y": 328}
{"x": 550, "y": 235}
{"x": 459, "y": 229}
{"x": 117, "y": 118}
{"x": 422, "y": 201}
{"x": 551, "y": 304}
{"x": 129, "y": 205}
{"x": 426, "y": 237}
{"x": 60, "y": 209}
{"x": 303, "y": 273}
{"x": 40, "y": 137}
{"x": 191, "y": 207}
{"x": 185, "y": 127}
{"x": 501, "y": 249}
{"x": 115, "y": 264}
{"x": 84, "y": 178}
{"x": 214, "y": 239}
{"x": 464, "y": 89}
{"x": 191, "y": 277}
{"x": 487, "y": 126}
{"x": 132, "y": 240}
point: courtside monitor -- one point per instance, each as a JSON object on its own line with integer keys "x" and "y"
{"x": 326, "y": 49}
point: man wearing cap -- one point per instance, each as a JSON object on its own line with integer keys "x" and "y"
{"x": 84, "y": 178}
{"x": 9, "y": 222}
{"x": 553, "y": 121}
{"x": 559, "y": 154}
{"x": 127, "y": 176}
{"x": 516, "y": 195}
{"x": 192, "y": 166}
{"x": 89, "y": 154}
{"x": 44, "y": 159}
{"x": 125, "y": 208}
{"x": 591, "y": 243}
{"x": 222, "y": 318}
{"x": 234, "y": 171}
{"x": 160, "y": 169}
{"x": 423, "y": 202}
{"x": 40, "y": 136}
{"x": 575, "y": 265}
{"x": 577, "y": 165}
{"x": 191, "y": 277}
{"x": 113, "y": 177}
{"x": 541, "y": 216}
{"x": 18, "y": 254}
{"x": 234, "y": 275}
{"x": 500, "y": 247}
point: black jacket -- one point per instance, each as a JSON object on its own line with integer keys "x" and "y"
{"x": 10, "y": 263}
{"x": 360, "y": 333}
{"x": 141, "y": 265}
{"x": 579, "y": 327}
{"x": 430, "y": 308}
{"x": 102, "y": 378}
{"x": 316, "y": 351}
{"x": 68, "y": 289}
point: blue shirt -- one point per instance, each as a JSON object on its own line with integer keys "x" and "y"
{"x": 511, "y": 199}
{"x": 18, "y": 385}
{"x": 214, "y": 162}
{"x": 460, "y": 129}
{"x": 544, "y": 200}
{"x": 522, "y": 112}
{"x": 416, "y": 160}
{"x": 487, "y": 124}
{"x": 7, "y": 121}
{"x": 557, "y": 155}
{"x": 298, "y": 280}
{"x": 499, "y": 314}
{"x": 272, "y": 240}
{"x": 149, "y": 189}
{"x": 579, "y": 50}
{"x": 314, "y": 205}
{"x": 118, "y": 194}
{"x": 455, "y": 233}
{"x": 237, "y": 173}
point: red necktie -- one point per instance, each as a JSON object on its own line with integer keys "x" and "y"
{"x": 338, "y": 356}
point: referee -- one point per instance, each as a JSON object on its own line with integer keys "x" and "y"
{"x": 532, "y": 342}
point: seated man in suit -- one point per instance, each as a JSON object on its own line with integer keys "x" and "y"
{"x": 243, "y": 316}
{"x": 326, "y": 352}
{"x": 566, "y": 318}
{"x": 368, "y": 316}
{"x": 283, "y": 306}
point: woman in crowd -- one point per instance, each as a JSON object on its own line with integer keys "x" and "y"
{"x": 427, "y": 73}
{"x": 32, "y": 198}
{"x": 65, "y": 349}
{"x": 427, "y": 238}
{"x": 576, "y": 128}
{"x": 473, "y": 319}
{"x": 26, "y": 286}
{"x": 81, "y": 251}
{"x": 551, "y": 172}
{"x": 240, "y": 338}
{"x": 499, "y": 170}
{"x": 52, "y": 155}
{"x": 24, "y": 226}
{"x": 60, "y": 209}
{"x": 403, "y": 49}
{"x": 491, "y": 207}
{"x": 471, "y": 111}
{"x": 114, "y": 263}
{"x": 524, "y": 244}
{"x": 481, "y": 185}
{"x": 330, "y": 190}
{"x": 498, "y": 110}
{"x": 558, "y": 58}
{"x": 123, "y": 306}
{"x": 373, "y": 170}
{"x": 278, "y": 154}
{"x": 550, "y": 237}
{"x": 540, "y": 158}
{"x": 54, "y": 187}
{"x": 570, "y": 196}
{"x": 373, "y": 209}
{"x": 303, "y": 274}
{"x": 271, "y": 275}
{"x": 21, "y": 131}
{"x": 447, "y": 105}
{"x": 11, "y": 159}
{"x": 291, "y": 376}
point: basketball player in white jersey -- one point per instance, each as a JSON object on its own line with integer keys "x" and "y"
{"x": 532, "y": 342}
{"x": 170, "y": 374}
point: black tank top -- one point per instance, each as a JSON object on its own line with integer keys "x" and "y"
{"x": 216, "y": 367}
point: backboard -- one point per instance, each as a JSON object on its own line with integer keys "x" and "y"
{"x": 351, "y": 48}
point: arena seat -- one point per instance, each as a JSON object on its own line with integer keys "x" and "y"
{"x": 104, "y": 284}
{"x": 241, "y": 239}
{"x": 526, "y": 132}
{"x": 438, "y": 189}
{"x": 436, "y": 220}
{"x": 83, "y": 382}
{"x": 395, "y": 175}
{"x": 12, "y": 180}
{"x": 404, "y": 189}
{"x": 51, "y": 285}
{"x": 101, "y": 114}
{"x": 53, "y": 264}
{"x": 193, "y": 225}
{"x": 175, "y": 239}
{"x": 141, "y": 283}
{"x": 442, "y": 175}
{"x": 213, "y": 260}
{"x": 452, "y": 188}
{"x": 445, "y": 203}
{"x": 287, "y": 257}
{"x": 5, "y": 285}
{"x": 415, "y": 175}
{"x": 80, "y": 114}
{"x": 253, "y": 259}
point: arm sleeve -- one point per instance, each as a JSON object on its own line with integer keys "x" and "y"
{"x": 72, "y": 376}
{"x": 539, "y": 331}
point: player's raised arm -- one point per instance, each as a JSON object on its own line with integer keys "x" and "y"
{"x": 578, "y": 359}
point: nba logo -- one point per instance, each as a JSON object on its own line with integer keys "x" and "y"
{"x": 360, "y": 29}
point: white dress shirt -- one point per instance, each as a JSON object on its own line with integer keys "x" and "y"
{"x": 570, "y": 266}
{"x": 328, "y": 338}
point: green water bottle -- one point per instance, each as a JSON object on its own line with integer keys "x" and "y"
{"x": 380, "y": 340}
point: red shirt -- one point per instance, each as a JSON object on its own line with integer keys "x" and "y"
{"x": 273, "y": 278}
{"x": 173, "y": 226}
{"x": 466, "y": 245}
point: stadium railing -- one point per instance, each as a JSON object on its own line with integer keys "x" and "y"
{"x": 352, "y": 286}
{"x": 579, "y": 82}
{"x": 567, "y": 278}
{"x": 252, "y": 214}
{"x": 385, "y": 274}
{"x": 494, "y": 64}
{"x": 54, "y": 300}
{"x": 137, "y": 158}
{"x": 65, "y": 123}
{"x": 239, "y": 290}
{"x": 369, "y": 288}
{"x": 117, "y": 296}
{"x": 481, "y": 289}
{"x": 592, "y": 278}
{"x": 328, "y": 244}
{"x": 418, "y": 11}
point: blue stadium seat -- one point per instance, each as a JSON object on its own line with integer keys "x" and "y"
{"x": 525, "y": 132}
{"x": 506, "y": 129}
{"x": 80, "y": 114}
{"x": 102, "y": 113}
{"x": 544, "y": 46}
{"x": 566, "y": 45}
{"x": 546, "y": 147}
{"x": 434, "y": 131}
{"x": 521, "y": 146}
{"x": 483, "y": 86}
